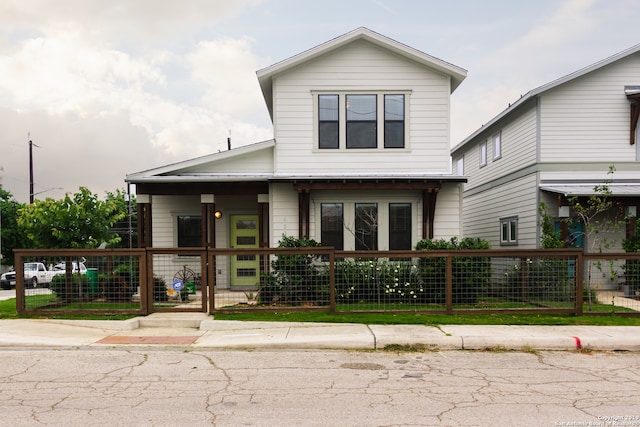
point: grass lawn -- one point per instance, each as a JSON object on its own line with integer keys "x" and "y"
{"x": 8, "y": 311}
{"x": 433, "y": 319}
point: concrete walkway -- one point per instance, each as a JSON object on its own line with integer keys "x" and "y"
{"x": 198, "y": 330}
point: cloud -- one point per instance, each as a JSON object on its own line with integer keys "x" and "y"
{"x": 543, "y": 53}
{"x": 107, "y": 111}
{"x": 147, "y": 20}
{"x": 226, "y": 67}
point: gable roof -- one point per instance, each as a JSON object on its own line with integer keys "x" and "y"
{"x": 183, "y": 171}
{"x": 266, "y": 75}
{"x": 547, "y": 87}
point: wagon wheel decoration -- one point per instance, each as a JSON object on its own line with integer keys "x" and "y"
{"x": 186, "y": 275}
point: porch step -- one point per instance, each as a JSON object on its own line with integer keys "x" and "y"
{"x": 173, "y": 320}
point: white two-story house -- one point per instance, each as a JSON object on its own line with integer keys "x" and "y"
{"x": 556, "y": 142}
{"x": 360, "y": 159}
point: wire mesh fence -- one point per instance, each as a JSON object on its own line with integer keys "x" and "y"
{"x": 612, "y": 283}
{"x": 272, "y": 278}
{"x": 79, "y": 281}
{"x": 291, "y": 279}
{"x": 177, "y": 280}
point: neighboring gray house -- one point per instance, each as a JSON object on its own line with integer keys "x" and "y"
{"x": 360, "y": 160}
{"x": 554, "y": 142}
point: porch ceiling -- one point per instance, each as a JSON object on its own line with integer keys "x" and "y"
{"x": 582, "y": 189}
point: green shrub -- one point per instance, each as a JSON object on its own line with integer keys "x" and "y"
{"x": 159, "y": 289}
{"x": 295, "y": 279}
{"x": 75, "y": 290}
{"x": 471, "y": 275}
{"x": 632, "y": 266}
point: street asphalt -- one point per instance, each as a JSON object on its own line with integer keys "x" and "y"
{"x": 200, "y": 331}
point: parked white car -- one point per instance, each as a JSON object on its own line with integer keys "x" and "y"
{"x": 60, "y": 268}
{"x": 35, "y": 273}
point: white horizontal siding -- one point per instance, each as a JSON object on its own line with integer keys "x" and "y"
{"x": 482, "y": 212}
{"x": 587, "y": 119}
{"x": 164, "y": 212}
{"x": 518, "y": 150}
{"x": 256, "y": 162}
{"x": 283, "y": 212}
{"x": 362, "y": 66}
{"x": 448, "y": 220}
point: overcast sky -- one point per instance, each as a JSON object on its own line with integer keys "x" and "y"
{"x": 109, "y": 88}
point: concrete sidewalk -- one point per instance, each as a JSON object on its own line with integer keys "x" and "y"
{"x": 199, "y": 331}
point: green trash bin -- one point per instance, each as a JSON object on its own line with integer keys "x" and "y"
{"x": 190, "y": 288}
{"x": 92, "y": 278}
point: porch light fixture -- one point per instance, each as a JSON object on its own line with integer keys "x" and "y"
{"x": 563, "y": 211}
{"x": 217, "y": 214}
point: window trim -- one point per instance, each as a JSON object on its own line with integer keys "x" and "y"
{"x": 511, "y": 224}
{"x": 482, "y": 154}
{"x": 460, "y": 166}
{"x": 497, "y": 145}
{"x": 321, "y": 121}
{"x": 389, "y": 121}
{"x": 342, "y": 118}
{"x": 375, "y": 122}
{"x": 349, "y": 201}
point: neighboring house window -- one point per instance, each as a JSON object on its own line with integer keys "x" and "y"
{"x": 399, "y": 226}
{"x": 332, "y": 227}
{"x": 189, "y": 231}
{"x": 509, "y": 231}
{"x": 460, "y": 166}
{"x": 497, "y": 146}
{"x": 328, "y": 121}
{"x": 361, "y": 121}
{"x": 483, "y": 154}
{"x": 394, "y": 121}
{"x": 366, "y": 226}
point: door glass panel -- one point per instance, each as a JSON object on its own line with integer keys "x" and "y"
{"x": 246, "y": 272}
{"x": 245, "y": 240}
{"x": 246, "y": 224}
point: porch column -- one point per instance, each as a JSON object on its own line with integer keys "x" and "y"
{"x": 303, "y": 212}
{"x": 428, "y": 212}
{"x": 263, "y": 220}
{"x": 208, "y": 207}
{"x": 632, "y": 216}
{"x": 143, "y": 203}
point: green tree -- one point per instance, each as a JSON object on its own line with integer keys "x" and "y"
{"x": 549, "y": 238}
{"x": 600, "y": 220}
{"x": 80, "y": 220}
{"x": 123, "y": 226}
{"x": 12, "y": 237}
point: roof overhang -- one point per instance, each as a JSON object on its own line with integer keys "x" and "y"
{"x": 590, "y": 189}
{"x": 370, "y": 179}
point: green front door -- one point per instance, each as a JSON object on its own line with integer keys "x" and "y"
{"x": 244, "y": 233}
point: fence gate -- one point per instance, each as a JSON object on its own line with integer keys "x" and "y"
{"x": 177, "y": 280}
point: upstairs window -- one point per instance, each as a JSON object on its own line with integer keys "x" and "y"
{"x": 328, "y": 121}
{"x": 362, "y": 118}
{"x": 394, "y": 121}
{"x": 497, "y": 145}
{"x": 460, "y": 166}
{"x": 483, "y": 154}
{"x": 361, "y": 121}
